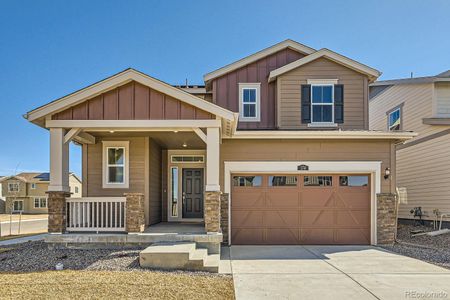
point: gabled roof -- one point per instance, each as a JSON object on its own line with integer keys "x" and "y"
{"x": 119, "y": 79}
{"x": 257, "y": 56}
{"x": 33, "y": 177}
{"x": 441, "y": 77}
{"x": 336, "y": 57}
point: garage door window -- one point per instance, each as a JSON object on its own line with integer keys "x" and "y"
{"x": 353, "y": 180}
{"x": 318, "y": 181}
{"x": 247, "y": 180}
{"x": 282, "y": 180}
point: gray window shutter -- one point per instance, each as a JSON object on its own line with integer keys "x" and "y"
{"x": 306, "y": 103}
{"x": 339, "y": 103}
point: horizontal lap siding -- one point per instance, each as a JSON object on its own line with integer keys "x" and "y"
{"x": 423, "y": 169}
{"x": 291, "y": 150}
{"x": 226, "y": 88}
{"x": 132, "y": 101}
{"x": 355, "y": 95}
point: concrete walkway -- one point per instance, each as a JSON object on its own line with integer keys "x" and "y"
{"x": 19, "y": 240}
{"x": 331, "y": 272}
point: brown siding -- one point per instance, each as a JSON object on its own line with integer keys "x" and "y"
{"x": 225, "y": 88}
{"x": 155, "y": 183}
{"x": 355, "y": 93}
{"x": 132, "y": 101}
{"x": 92, "y": 165}
{"x": 291, "y": 150}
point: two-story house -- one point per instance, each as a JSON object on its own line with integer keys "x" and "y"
{"x": 26, "y": 192}
{"x": 274, "y": 149}
{"x": 422, "y": 105}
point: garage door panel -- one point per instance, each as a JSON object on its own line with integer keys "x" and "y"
{"x": 277, "y": 212}
{"x": 317, "y": 218}
{"x": 282, "y": 198}
{"x": 286, "y": 236}
{"x": 355, "y": 218}
{"x": 317, "y": 236}
{"x": 247, "y": 218}
{"x": 250, "y": 236}
{"x": 353, "y": 236}
{"x": 281, "y": 219}
{"x": 317, "y": 197}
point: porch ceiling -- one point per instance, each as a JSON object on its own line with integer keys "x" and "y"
{"x": 166, "y": 139}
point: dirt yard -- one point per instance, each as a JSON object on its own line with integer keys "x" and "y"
{"x": 114, "y": 285}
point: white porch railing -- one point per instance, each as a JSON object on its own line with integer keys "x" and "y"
{"x": 96, "y": 214}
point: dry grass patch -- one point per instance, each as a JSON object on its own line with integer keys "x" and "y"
{"x": 121, "y": 285}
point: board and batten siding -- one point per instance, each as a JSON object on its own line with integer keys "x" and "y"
{"x": 225, "y": 89}
{"x": 311, "y": 150}
{"x": 424, "y": 170}
{"x": 132, "y": 101}
{"x": 417, "y": 104}
{"x": 442, "y": 96}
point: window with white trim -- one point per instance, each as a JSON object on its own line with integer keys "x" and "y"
{"x": 18, "y": 205}
{"x": 115, "y": 164}
{"x": 33, "y": 186}
{"x": 13, "y": 187}
{"x": 249, "y": 102}
{"x": 322, "y": 103}
{"x": 394, "y": 119}
{"x": 40, "y": 202}
{"x": 76, "y": 190}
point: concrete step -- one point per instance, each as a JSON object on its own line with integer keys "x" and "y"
{"x": 178, "y": 256}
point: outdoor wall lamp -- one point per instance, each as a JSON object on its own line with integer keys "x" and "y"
{"x": 387, "y": 173}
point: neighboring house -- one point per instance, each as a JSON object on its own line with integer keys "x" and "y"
{"x": 421, "y": 105}
{"x": 26, "y": 192}
{"x": 2, "y": 199}
{"x": 274, "y": 149}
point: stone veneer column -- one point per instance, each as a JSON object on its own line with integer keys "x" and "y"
{"x": 224, "y": 216}
{"x": 212, "y": 211}
{"x": 135, "y": 217}
{"x": 57, "y": 211}
{"x": 386, "y": 215}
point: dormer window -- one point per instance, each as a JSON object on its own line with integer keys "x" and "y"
{"x": 249, "y": 102}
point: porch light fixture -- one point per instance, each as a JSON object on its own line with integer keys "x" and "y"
{"x": 111, "y": 131}
{"x": 175, "y": 131}
{"x": 184, "y": 145}
{"x": 387, "y": 173}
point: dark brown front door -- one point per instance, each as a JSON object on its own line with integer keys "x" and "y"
{"x": 192, "y": 193}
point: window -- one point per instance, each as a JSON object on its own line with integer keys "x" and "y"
{"x": 18, "y": 205}
{"x": 76, "y": 190}
{"x": 353, "y": 180}
{"x": 282, "y": 180}
{"x": 394, "y": 119}
{"x": 174, "y": 191}
{"x": 249, "y": 102}
{"x": 187, "y": 158}
{"x": 318, "y": 181}
{"x": 33, "y": 186}
{"x": 247, "y": 180}
{"x": 40, "y": 202}
{"x": 322, "y": 103}
{"x": 13, "y": 187}
{"x": 115, "y": 164}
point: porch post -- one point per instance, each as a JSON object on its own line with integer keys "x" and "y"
{"x": 58, "y": 189}
{"x": 212, "y": 190}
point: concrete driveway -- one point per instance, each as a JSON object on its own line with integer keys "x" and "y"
{"x": 332, "y": 272}
{"x": 25, "y": 227}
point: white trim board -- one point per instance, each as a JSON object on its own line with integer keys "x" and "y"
{"x": 315, "y": 167}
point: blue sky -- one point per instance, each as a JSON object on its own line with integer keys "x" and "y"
{"x": 51, "y": 48}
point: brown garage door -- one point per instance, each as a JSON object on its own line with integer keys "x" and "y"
{"x": 300, "y": 209}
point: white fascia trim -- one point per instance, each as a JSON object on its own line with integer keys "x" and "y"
{"x": 322, "y": 134}
{"x": 338, "y": 58}
{"x": 120, "y": 79}
{"x": 131, "y": 124}
{"x": 257, "y": 56}
{"x": 315, "y": 167}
